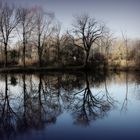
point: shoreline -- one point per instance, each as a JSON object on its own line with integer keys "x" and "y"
{"x": 39, "y": 69}
{"x": 61, "y": 69}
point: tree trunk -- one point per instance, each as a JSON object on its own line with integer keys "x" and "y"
{"x": 87, "y": 81}
{"x": 40, "y": 57}
{"x": 86, "y": 60}
{"x": 24, "y": 55}
{"x": 58, "y": 55}
{"x": 40, "y": 61}
{"x": 6, "y": 86}
{"x": 5, "y": 51}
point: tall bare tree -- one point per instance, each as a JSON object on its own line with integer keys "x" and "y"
{"x": 8, "y": 21}
{"x": 87, "y": 31}
{"x": 126, "y": 47}
{"x": 27, "y": 26}
{"x": 42, "y": 30}
{"x": 58, "y": 40}
{"x": 106, "y": 43}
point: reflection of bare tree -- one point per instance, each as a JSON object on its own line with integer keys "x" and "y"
{"x": 69, "y": 83}
{"x": 48, "y": 102}
{"x": 125, "y": 102}
{"x": 108, "y": 97}
{"x": 38, "y": 107}
{"x": 41, "y": 99}
{"x": 137, "y": 85}
{"x": 89, "y": 107}
{"x": 8, "y": 116}
{"x": 23, "y": 123}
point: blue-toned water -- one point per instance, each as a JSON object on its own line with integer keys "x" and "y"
{"x": 71, "y": 106}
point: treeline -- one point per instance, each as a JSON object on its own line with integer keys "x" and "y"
{"x": 33, "y": 37}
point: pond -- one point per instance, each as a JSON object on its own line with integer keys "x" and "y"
{"x": 63, "y": 106}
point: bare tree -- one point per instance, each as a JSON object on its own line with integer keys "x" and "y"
{"x": 126, "y": 46}
{"x": 105, "y": 43}
{"x": 8, "y": 21}
{"x": 27, "y": 25}
{"x": 87, "y": 31}
{"x": 58, "y": 40}
{"x": 43, "y": 31}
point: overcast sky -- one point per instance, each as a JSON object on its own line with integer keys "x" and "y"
{"x": 119, "y": 15}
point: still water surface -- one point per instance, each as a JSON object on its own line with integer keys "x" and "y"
{"x": 63, "y": 106}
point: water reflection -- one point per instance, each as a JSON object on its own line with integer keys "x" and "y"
{"x": 33, "y": 102}
{"x": 125, "y": 102}
{"x": 90, "y": 106}
{"x": 8, "y": 116}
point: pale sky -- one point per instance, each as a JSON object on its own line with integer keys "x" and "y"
{"x": 119, "y": 15}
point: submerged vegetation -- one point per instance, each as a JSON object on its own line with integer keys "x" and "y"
{"x": 31, "y": 37}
